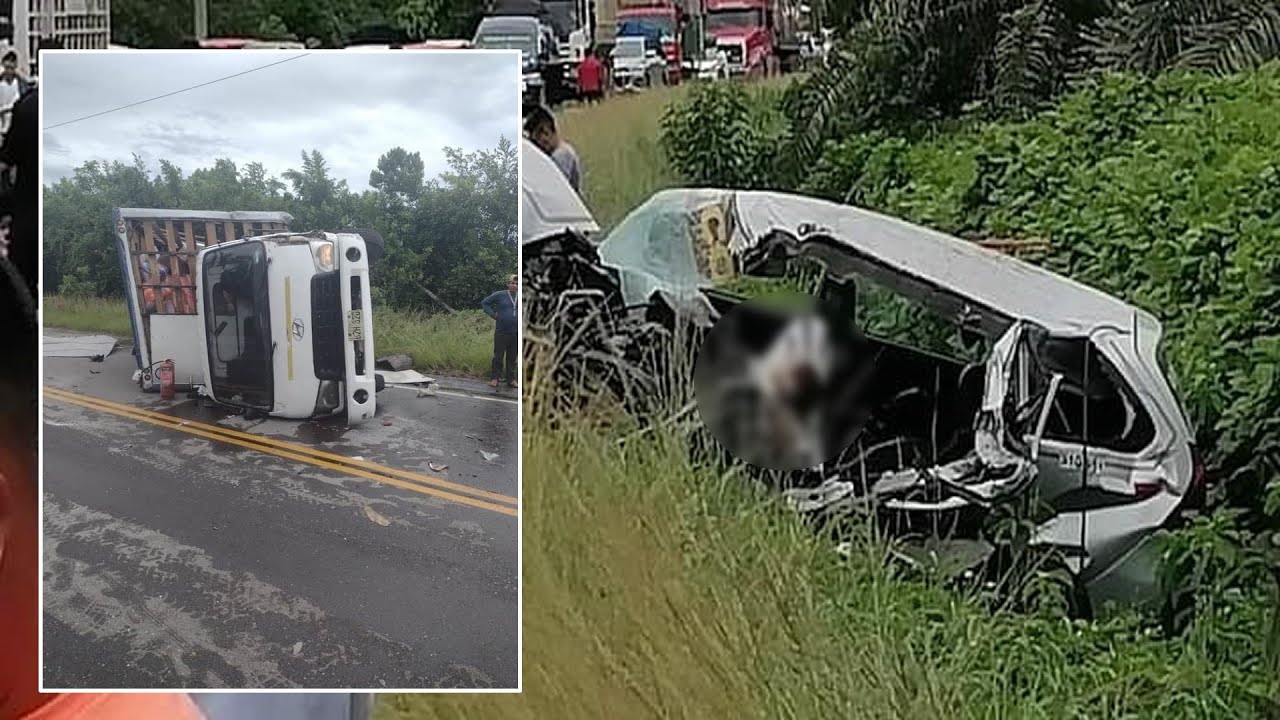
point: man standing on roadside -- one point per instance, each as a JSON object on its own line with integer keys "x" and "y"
{"x": 501, "y": 306}
{"x": 540, "y": 128}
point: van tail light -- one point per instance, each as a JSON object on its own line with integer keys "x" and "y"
{"x": 1145, "y": 490}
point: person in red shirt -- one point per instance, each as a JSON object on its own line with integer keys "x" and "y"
{"x": 591, "y": 77}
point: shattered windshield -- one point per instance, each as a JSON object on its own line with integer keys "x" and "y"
{"x": 675, "y": 243}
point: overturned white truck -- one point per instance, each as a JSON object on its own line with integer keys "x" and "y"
{"x": 1067, "y": 402}
{"x": 262, "y": 318}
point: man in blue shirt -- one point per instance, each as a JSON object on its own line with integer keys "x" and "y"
{"x": 501, "y": 306}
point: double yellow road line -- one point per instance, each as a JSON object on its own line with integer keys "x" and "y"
{"x": 405, "y": 479}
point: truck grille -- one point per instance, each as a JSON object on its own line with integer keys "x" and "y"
{"x": 327, "y": 336}
{"x": 733, "y": 53}
{"x": 356, "y": 303}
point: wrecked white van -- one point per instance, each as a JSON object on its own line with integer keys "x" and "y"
{"x": 1068, "y": 403}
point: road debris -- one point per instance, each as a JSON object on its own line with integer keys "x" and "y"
{"x": 375, "y": 516}
{"x": 86, "y": 346}
{"x": 399, "y": 361}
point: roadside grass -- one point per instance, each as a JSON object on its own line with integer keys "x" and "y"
{"x": 107, "y": 316}
{"x": 459, "y": 343}
{"x": 653, "y": 589}
{"x": 618, "y": 142}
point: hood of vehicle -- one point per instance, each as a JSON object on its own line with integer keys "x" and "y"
{"x": 548, "y": 204}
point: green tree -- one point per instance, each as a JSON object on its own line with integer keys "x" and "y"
{"x": 454, "y": 236}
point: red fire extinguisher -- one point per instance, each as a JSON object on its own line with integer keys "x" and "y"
{"x": 166, "y": 380}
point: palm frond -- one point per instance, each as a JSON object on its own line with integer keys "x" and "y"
{"x": 1029, "y": 55}
{"x": 1248, "y": 36}
{"x": 1150, "y": 36}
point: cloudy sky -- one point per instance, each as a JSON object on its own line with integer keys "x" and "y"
{"x": 351, "y": 106}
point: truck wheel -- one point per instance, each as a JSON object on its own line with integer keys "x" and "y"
{"x": 373, "y": 241}
{"x": 379, "y": 383}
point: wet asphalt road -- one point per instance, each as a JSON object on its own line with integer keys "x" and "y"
{"x": 176, "y": 560}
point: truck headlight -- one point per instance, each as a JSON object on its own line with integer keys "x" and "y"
{"x": 327, "y": 398}
{"x": 322, "y": 253}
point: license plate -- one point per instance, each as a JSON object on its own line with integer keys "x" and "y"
{"x": 355, "y": 325}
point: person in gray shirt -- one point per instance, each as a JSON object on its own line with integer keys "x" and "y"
{"x": 540, "y": 128}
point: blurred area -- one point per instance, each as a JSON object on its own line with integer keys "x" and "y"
{"x": 774, "y": 381}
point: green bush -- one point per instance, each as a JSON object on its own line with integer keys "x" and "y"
{"x": 723, "y": 135}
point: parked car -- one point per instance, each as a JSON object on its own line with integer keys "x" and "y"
{"x": 636, "y": 63}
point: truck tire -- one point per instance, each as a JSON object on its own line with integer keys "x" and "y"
{"x": 373, "y": 241}
{"x": 379, "y": 383}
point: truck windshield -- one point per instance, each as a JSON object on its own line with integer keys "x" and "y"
{"x": 640, "y": 24}
{"x": 629, "y": 49}
{"x": 238, "y": 326}
{"x": 527, "y": 44}
{"x": 564, "y": 16}
{"x": 722, "y": 19}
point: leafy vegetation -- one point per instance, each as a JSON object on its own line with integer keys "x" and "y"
{"x": 454, "y": 235}
{"x": 905, "y": 62}
{"x": 319, "y": 23}
{"x": 715, "y": 138}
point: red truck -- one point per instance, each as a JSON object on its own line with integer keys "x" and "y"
{"x": 752, "y": 32}
{"x": 669, "y": 16}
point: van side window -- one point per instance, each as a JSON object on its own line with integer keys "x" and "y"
{"x": 1116, "y": 419}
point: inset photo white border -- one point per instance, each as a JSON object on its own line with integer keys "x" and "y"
{"x": 419, "y": 515}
